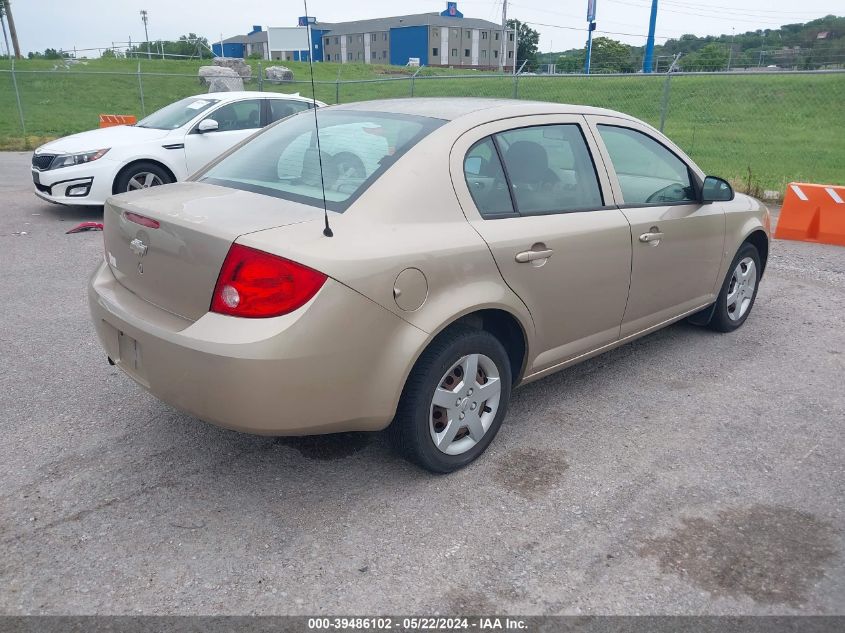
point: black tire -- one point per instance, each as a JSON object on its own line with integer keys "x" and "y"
{"x": 721, "y": 320}
{"x": 410, "y": 431}
{"x": 121, "y": 183}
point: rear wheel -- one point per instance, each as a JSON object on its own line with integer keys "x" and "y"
{"x": 454, "y": 400}
{"x": 738, "y": 291}
{"x": 141, "y": 175}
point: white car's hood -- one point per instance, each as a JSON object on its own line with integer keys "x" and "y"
{"x": 101, "y": 139}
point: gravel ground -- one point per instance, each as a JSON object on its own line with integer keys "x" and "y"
{"x": 686, "y": 473}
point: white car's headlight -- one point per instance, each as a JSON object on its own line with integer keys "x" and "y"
{"x": 68, "y": 160}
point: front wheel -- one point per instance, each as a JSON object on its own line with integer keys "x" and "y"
{"x": 454, "y": 400}
{"x": 141, "y": 175}
{"x": 739, "y": 290}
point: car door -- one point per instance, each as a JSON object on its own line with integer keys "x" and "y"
{"x": 677, "y": 241}
{"x": 530, "y": 188}
{"x": 236, "y": 120}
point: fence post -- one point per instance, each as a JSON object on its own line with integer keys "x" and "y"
{"x": 412, "y": 84}
{"x": 664, "y": 101}
{"x": 260, "y": 78}
{"x": 18, "y": 98}
{"x": 141, "y": 90}
{"x": 337, "y": 91}
{"x": 516, "y": 86}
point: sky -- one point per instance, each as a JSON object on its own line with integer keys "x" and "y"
{"x": 562, "y": 24}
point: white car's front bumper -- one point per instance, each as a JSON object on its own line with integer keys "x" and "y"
{"x": 78, "y": 185}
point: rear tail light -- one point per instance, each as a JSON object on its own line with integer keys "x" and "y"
{"x": 255, "y": 284}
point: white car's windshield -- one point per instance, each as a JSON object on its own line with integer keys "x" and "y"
{"x": 177, "y": 114}
{"x": 357, "y": 147}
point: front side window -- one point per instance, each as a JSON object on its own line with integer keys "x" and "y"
{"x": 357, "y": 148}
{"x": 177, "y": 114}
{"x": 549, "y": 169}
{"x": 648, "y": 173}
{"x": 486, "y": 180}
{"x": 240, "y": 115}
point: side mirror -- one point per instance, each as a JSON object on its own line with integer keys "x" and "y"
{"x": 716, "y": 190}
{"x": 207, "y": 125}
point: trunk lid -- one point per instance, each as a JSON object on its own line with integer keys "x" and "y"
{"x": 175, "y": 266}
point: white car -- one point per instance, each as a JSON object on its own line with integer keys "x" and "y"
{"x": 167, "y": 146}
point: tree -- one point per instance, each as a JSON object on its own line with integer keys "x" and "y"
{"x": 611, "y": 56}
{"x": 712, "y": 57}
{"x": 528, "y": 44}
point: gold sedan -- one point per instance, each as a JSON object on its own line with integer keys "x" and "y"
{"x": 429, "y": 257}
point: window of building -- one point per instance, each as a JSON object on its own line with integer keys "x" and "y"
{"x": 468, "y": 34}
{"x": 435, "y": 52}
{"x": 327, "y": 41}
{"x": 484, "y": 35}
{"x": 647, "y": 172}
{"x": 456, "y": 33}
{"x": 495, "y": 54}
{"x": 349, "y": 57}
{"x": 373, "y": 37}
{"x": 466, "y": 52}
{"x": 385, "y": 36}
{"x": 328, "y": 57}
{"x": 436, "y": 32}
{"x": 384, "y": 54}
{"x": 336, "y": 41}
{"x": 372, "y": 54}
{"x": 484, "y": 53}
{"x": 454, "y": 52}
{"x": 359, "y": 54}
{"x": 510, "y": 36}
{"x": 496, "y": 36}
{"x": 510, "y": 54}
{"x": 361, "y": 39}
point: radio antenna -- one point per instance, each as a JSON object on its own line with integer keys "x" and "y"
{"x": 327, "y": 230}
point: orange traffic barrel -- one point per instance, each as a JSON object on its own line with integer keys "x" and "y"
{"x": 812, "y": 213}
{"x": 110, "y": 120}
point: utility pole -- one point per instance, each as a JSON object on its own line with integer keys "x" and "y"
{"x": 731, "y": 51}
{"x": 503, "y": 46}
{"x": 515, "y": 44}
{"x": 146, "y": 34}
{"x": 13, "y": 32}
{"x": 591, "y": 26}
{"x": 649, "y": 45}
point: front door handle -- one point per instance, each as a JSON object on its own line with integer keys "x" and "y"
{"x": 651, "y": 236}
{"x": 529, "y": 256}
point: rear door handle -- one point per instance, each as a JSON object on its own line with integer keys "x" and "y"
{"x": 651, "y": 237}
{"x": 530, "y": 256}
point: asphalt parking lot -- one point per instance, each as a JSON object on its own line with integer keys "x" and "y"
{"x": 688, "y": 472}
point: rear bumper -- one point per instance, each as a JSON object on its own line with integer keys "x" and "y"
{"x": 336, "y": 364}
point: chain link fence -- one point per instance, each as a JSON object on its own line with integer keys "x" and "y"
{"x": 760, "y": 130}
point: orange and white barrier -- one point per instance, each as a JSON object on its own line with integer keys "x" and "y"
{"x": 812, "y": 213}
{"x": 110, "y": 120}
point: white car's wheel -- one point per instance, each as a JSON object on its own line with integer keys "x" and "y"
{"x": 141, "y": 175}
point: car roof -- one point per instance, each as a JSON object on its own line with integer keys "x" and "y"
{"x": 452, "y": 108}
{"x": 250, "y": 94}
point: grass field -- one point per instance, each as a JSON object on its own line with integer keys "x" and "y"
{"x": 760, "y": 131}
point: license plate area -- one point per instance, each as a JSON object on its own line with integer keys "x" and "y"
{"x": 129, "y": 357}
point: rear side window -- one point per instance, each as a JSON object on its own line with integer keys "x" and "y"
{"x": 283, "y": 108}
{"x": 486, "y": 180}
{"x": 550, "y": 169}
{"x": 648, "y": 173}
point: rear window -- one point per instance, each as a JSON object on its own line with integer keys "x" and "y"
{"x": 357, "y": 148}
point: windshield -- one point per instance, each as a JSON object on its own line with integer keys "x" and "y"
{"x": 357, "y": 147}
{"x": 177, "y": 114}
